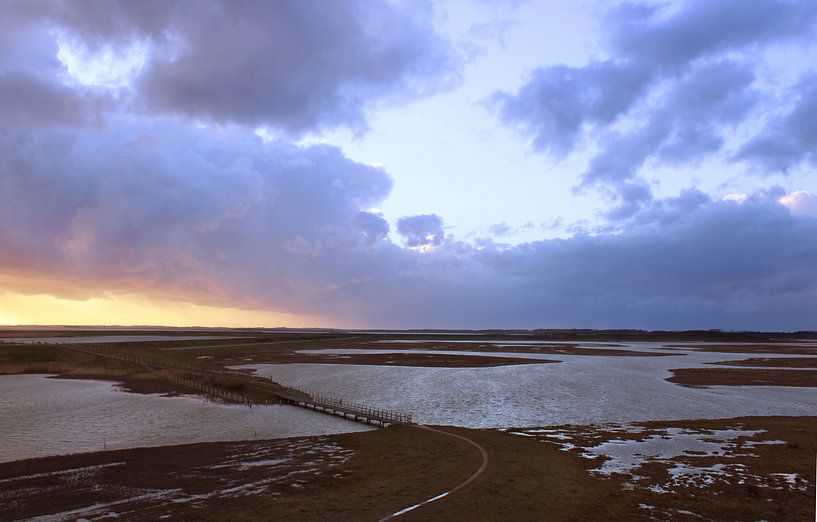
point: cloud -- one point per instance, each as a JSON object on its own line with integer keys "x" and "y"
{"x": 686, "y": 124}
{"x": 695, "y": 263}
{"x": 295, "y": 65}
{"x": 105, "y": 190}
{"x": 156, "y": 206}
{"x": 676, "y": 79}
{"x": 216, "y": 216}
{"x": 673, "y": 35}
{"x": 801, "y": 202}
{"x": 372, "y": 226}
{"x": 788, "y": 140}
{"x": 500, "y": 229}
{"x": 629, "y": 198}
{"x": 688, "y": 262}
{"x": 32, "y": 101}
{"x": 33, "y": 92}
{"x": 559, "y": 102}
{"x": 422, "y": 231}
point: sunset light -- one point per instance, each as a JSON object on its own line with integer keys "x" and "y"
{"x": 133, "y": 310}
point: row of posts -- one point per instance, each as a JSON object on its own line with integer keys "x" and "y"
{"x": 323, "y": 401}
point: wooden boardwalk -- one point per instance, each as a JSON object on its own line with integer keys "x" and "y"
{"x": 287, "y": 394}
{"x": 348, "y": 410}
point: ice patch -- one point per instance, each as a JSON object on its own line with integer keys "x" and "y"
{"x": 789, "y": 478}
{"x": 73, "y": 471}
{"x": 623, "y": 456}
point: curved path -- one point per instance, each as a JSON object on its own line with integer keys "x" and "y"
{"x": 459, "y": 486}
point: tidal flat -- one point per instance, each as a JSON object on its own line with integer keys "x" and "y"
{"x": 587, "y": 428}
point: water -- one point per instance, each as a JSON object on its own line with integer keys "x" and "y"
{"x": 579, "y": 390}
{"x": 41, "y": 417}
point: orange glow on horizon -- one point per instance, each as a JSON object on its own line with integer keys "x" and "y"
{"x": 134, "y": 310}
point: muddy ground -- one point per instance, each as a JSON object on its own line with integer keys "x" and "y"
{"x": 365, "y": 476}
{"x": 773, "y": 362}
{"x": 751, "y": 468}
{"x": 783, "y": 349}
{"x": 743, "y": 377}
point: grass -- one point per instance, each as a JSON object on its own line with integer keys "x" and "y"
{"x": 68, "y": 363}
{"x": 390, "y": 469}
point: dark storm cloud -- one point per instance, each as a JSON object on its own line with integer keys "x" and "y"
{"x": 688, "y": 262}
{"x": 32, "y": 93}
{"x": 423, "y": 230}
{"x": 158, "y": 206}
{"x": 31, "y": 101}
{"x": 297, "y": 65}
{"x": 216, "y": 216}
{"x": 788, "y": 140}
{"x": 677, "y": 72}
{"x": 695, "y": 262}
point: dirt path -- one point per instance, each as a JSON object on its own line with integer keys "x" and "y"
{"x": 482, "y": 467}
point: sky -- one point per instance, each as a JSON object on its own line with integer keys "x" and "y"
{"x": 409, "y": 164}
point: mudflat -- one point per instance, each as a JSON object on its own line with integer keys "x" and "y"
{"x": 774, "y": 362}
{"x": 743, "y": 377}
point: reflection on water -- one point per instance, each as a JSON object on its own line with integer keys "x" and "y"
{"x": 578, "y": 390}
{"x": 41, "y": 416}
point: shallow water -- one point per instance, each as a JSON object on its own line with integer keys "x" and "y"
{"x": 41, "y": 416}
{"x": 579, "y": 390}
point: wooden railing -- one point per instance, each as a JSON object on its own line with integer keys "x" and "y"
{"x": 291, "y": 394}
{"x": 360, "y": 410}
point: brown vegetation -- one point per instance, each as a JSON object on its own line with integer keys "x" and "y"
{"x": 383, "y": 471}
{"x": 388, "y": 470}
{"x": 790, "y": 349}
{"x": 766, "y": 476}
{"x": 774, "y": 362}
{"x": 743, "y": 377}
